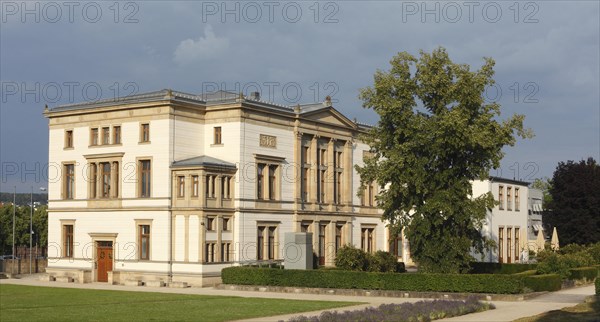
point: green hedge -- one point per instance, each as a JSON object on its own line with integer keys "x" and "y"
{"x": 497, "y": 268}
{"x": 480, "y": 283}
{"x": 526, "y": 273}
{"x": 598, "y": 286}
{"x": 539, "y": 283}
{"x": 588, "y": 273}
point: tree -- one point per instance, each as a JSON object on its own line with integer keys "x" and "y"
{"x": 434, "y": 136}
{"x": 575, "y": 206}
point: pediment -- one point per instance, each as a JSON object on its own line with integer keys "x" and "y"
{"x": 329, "y": 115}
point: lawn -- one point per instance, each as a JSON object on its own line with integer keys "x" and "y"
{"x": 584, "y": 312}
{"x": 31, "y": 303}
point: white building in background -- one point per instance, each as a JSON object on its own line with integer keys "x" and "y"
{"x": 173, "y": 187}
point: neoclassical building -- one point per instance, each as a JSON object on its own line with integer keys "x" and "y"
{"x": 173, "y": 187}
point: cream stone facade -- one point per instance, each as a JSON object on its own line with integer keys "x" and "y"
{"x": 168, "y": 187}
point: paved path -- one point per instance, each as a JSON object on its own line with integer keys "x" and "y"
{"x": 505, "y": 311}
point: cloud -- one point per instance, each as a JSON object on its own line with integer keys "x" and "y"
{"x": 203, "y": 48}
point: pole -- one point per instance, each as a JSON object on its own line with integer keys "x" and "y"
{"x": 30, "y": 230}
{"x": 14, "y": 216}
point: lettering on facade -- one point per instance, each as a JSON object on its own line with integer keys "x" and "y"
{"x": 268, "y": 141}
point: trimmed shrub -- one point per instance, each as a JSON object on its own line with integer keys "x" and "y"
{"x": 539, "y": 283}
{"x": 498, "y": 268}
{"x": 351, "y": 258}
{"x": 553, "y": 263}
{"x": 587, "y": 273}
{"x": 382, "y": 262}
{"x": 480, "y": 283}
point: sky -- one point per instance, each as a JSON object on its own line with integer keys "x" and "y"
{"x": 547, "y": 56}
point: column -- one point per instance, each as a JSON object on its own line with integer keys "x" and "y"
{"x": 312, "y": 180}
{"x": 330, "y": 173}
{"x": 298, "y": 163}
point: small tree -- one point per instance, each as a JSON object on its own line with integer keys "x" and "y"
{"x": 435, "y": 135}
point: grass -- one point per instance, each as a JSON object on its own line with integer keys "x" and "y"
{"x": 32, "y": 303}
{"x": 584, "y": 312}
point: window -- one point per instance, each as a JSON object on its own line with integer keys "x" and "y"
{"x": 508, "y": 198}
{"x": 68, "y": 241}
{"x": 272, "y": 182}
{"x": 260, "y": 240}
{"x": 225, "y": 187}
{"x": 93, "y": 180}
{"x": 304, "y": 188}
{"x": 144, "y": 242}
{"x": 321, "y": 186}
{"x": 396, "y": 245}
{"x": 210, "y": 252}
{"x": 226, "y": 224}
{"x": 501, "y": 245}
{"x": 106, "y": 135}
{"x": 322, "y": 172}
{"x": 180, "y": 186}
{"x": 260, "y": 181}
{"x": 195, "y": 183}
{"x": 366, "y": 239}
{"x": 508, "y": 244}
{"x": 69, "y": 181}
{"x": 145, "y": 132}
{"x": 145, "y": 178}
{"x": 322, "y": 232}
{"x": 371, "y": 194}
{"x": 226, "y": 252}
{"x": 210, "y": 223}
{"x": 210, "y": 186}
{"x": 94, "y": 136}
{"x": 68, "y": 139}
{"x": 217, "y": 135}
{"x": 116, "y": 135}
{"x": 338, "y": 237}
{"x": 271, "y": 243}
{"x": 265, "y": 242}
{"x": 106, "y": 179}
{"x": 338, "y": 187}
{"x": 304, "y": 227}
{"x": 517, "y": 246}
{"x": 517, "y": 201}
{"x": 501, "y": 197}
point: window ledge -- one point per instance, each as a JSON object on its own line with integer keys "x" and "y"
{"x": 216, "y": 145}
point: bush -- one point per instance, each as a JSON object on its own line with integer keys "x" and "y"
{"x": 553, "y": 263}
{"x": 351, "y": 258}
{"x": 539, "y": 283}
{"x": 571, "y": 249}
{"x": 480, "y": 283}
{"x": 581, "y": 273}
{"x": 382, "y": 262}
{"x": 498, "y": 268}
{"x": 598, "y": 286}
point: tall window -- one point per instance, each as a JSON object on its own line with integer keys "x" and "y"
{"x": 321, "y": 186}
{"x": 115, "y": 174}
{"x": 117, "y": 135}
{"x": 517, "y": 201}
{"x": 106, "y": 135}
{"x": 106, "y": 179}
{"x": 322, "y": 246}
{"x": 210, "y": 224}
{"x": 304, "y": 174}
{"x": 501, "y": 197}
{"x": 226, "y": 252}
{"x": 93, "y": 180}
{"x": 271, "y": 243}
{"x": 195, "y": 185}
{"x": 69, "y": 139}
{"x": 322, "y": 172}
{"x": 68, "y": 240}
{"x": 145, "y": 132}
{"x": 338, "y": 167}
{"x": 69, "y": 181}
{"x": 225, "y": 187}
{"x": 260, "y": 181}
{"x": 226, "y": 224}
{"x": 94, "y": 136}
{"x": 371, "y": 194}
{"x": 217, "y": 135}
{"x": 508, "y": 198}
{"x": 144, "y": 242}
{"x": 338, "y": 237}
{"x": 501, "y": 245}
{"x": 366, "y": 235}
{"x": 145, "y": 178}
{"x": 260, "y": 242}
{"x": 517, "y": 246}
{"x": 396, "y": 245}
{"x": 180, "y": 186}
{"x": 272, "y": 182}
{"x": 210, "y": 186}
{"x": 508, "y": 245}
{"x": 210, "y": 252}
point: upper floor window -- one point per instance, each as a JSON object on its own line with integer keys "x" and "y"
{"x": 117, "y": 135}
{"x": 106, "y": 179}
{"x": 226, "y": 224}
{"x": 508, "y": 198}
{"x": 217, "y": 135}
{"x": 145, "y": 132}
{"x": 181, "y": 186}
{"x": 517, "y": 201}
{"x": 94, "y": 136}
{"x": 210, "y": 223}
{"x": 106, "y": 135}
{"x": 367, "y": 242}
{"x": 272, "y": 181}
{"x": 225, "y": 187}
{"x": 195, "y": 186}
{"x": 210, "y": 186}
{"x": 69, "y": 139}
{"x": 145, "y": 178}
{"x": 69, "y": 181}
{"x": 260, "y": 181}
{"x": 501, "y": 197}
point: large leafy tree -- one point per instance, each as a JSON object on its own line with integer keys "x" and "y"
{"x": 575, "y": 205}
{"x": 435, "y": 135}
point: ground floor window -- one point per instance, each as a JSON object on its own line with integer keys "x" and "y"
{"x": 68, "y": 241}
{"x": 265, "y": 242}
{"x": 367, "y": 242}
{"x": 209, "y": 252}
{"x": 144, "y": 242}
{"x": 396, "y": 247}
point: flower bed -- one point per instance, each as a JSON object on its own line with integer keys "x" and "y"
{"x": 419, "y": 311}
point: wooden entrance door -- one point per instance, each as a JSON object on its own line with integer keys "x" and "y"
{"x": 104, "y": 260}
